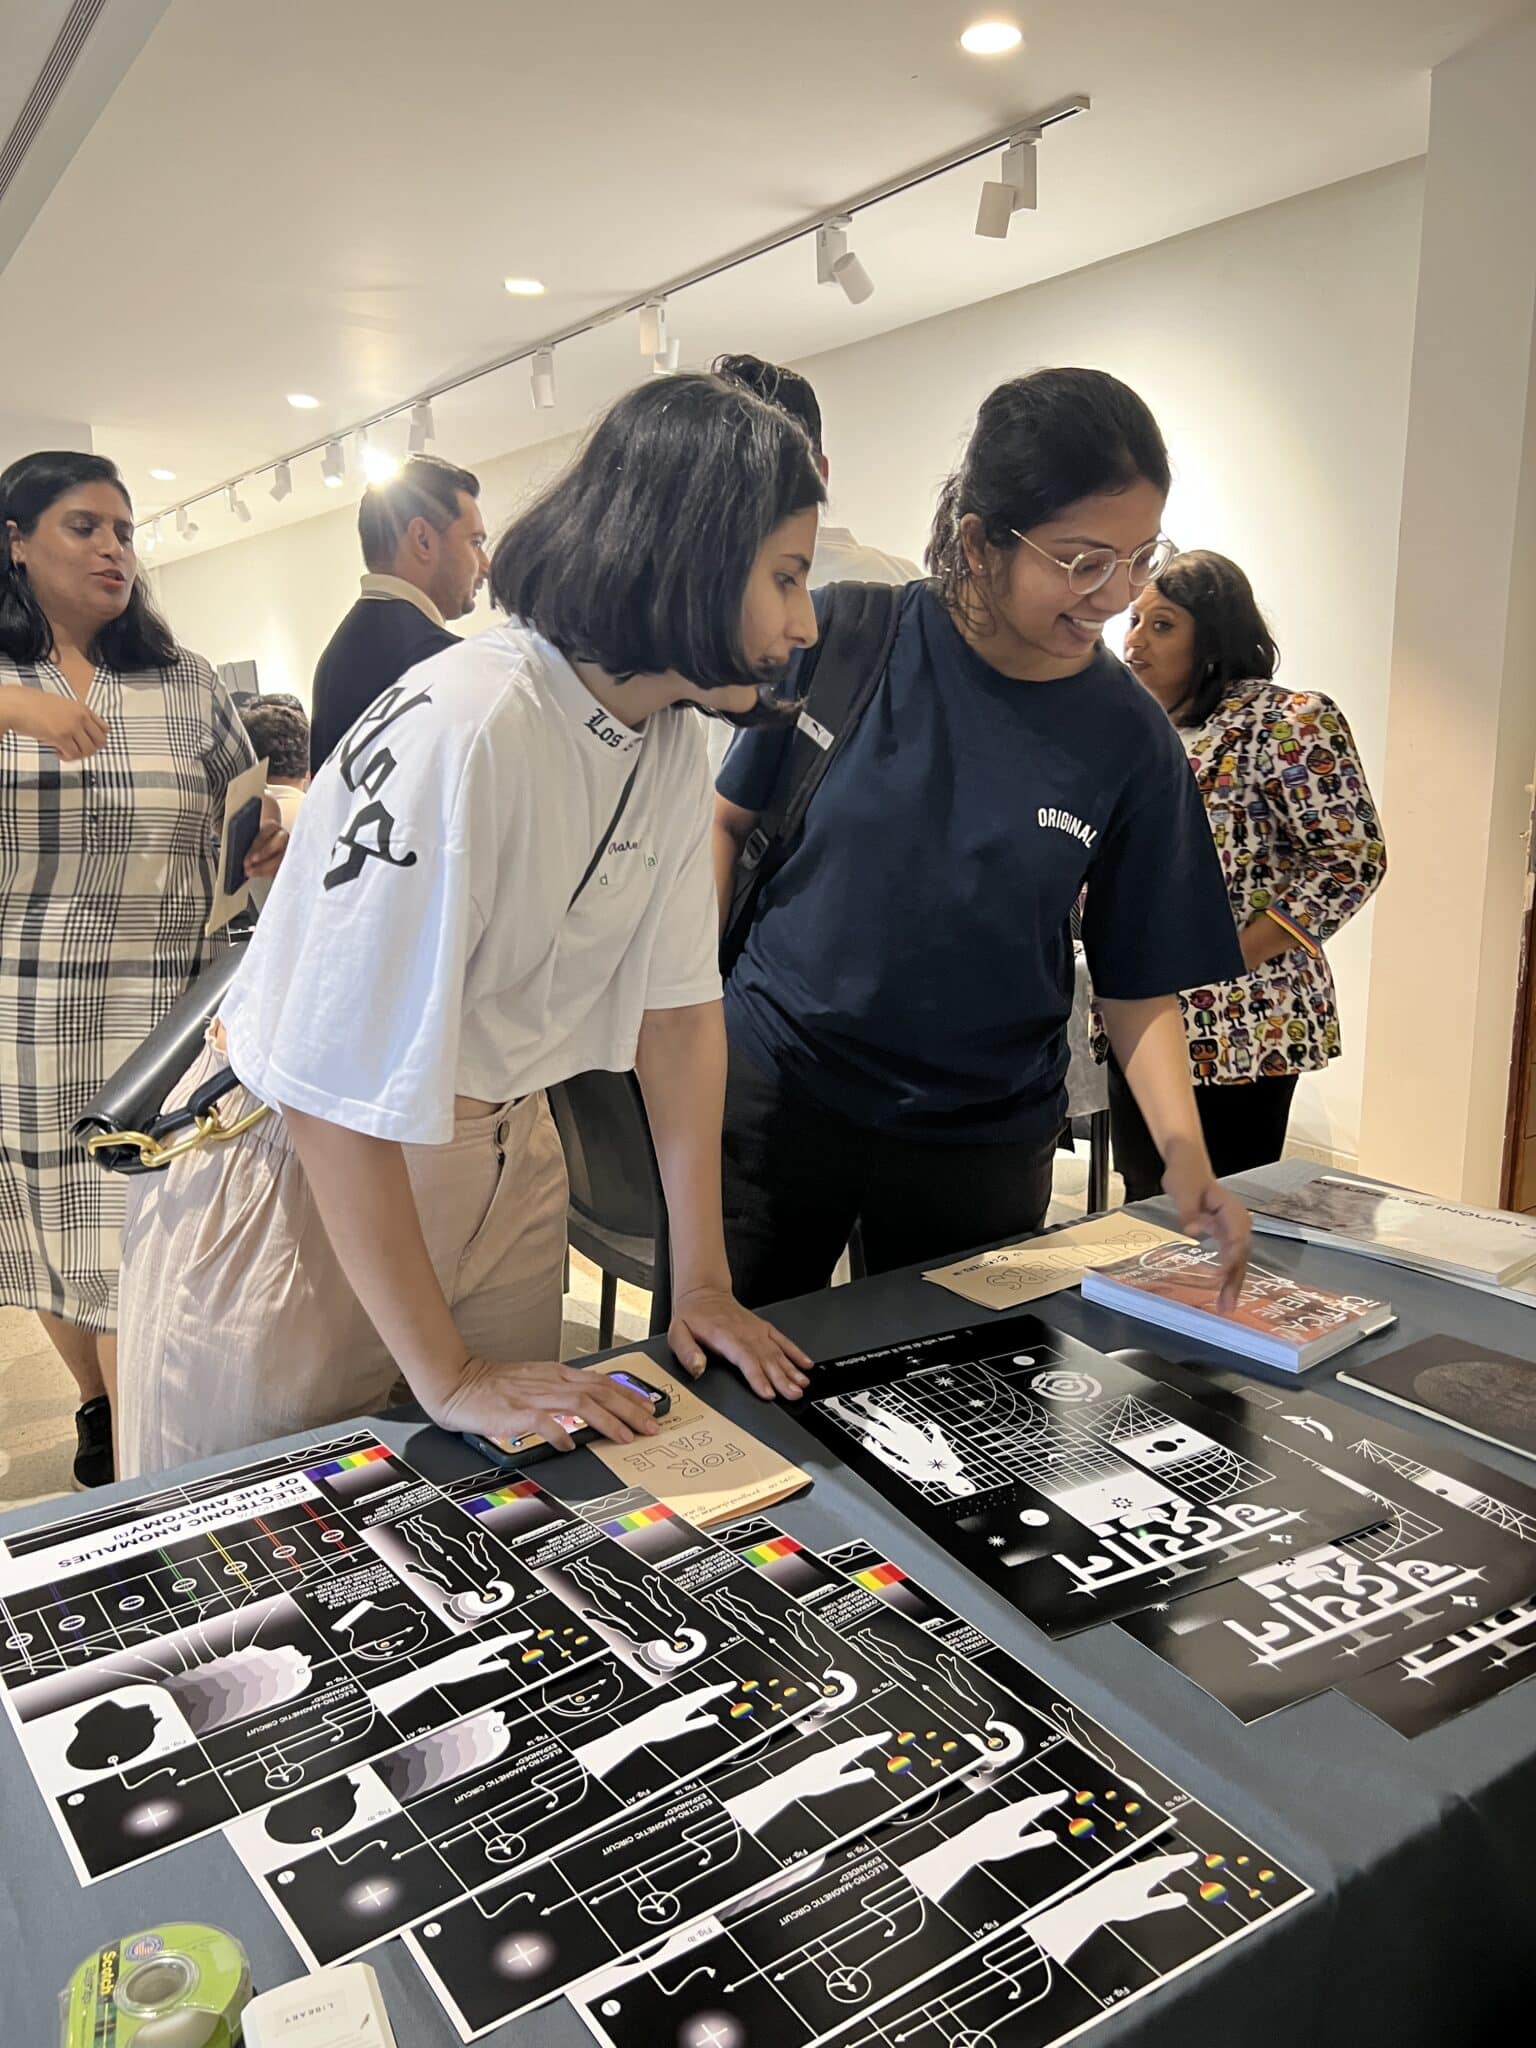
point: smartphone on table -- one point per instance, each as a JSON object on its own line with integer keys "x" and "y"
{"x": 524, "y": 1450}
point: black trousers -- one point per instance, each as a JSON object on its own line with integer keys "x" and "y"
{"x": 798, "y": 1178}
{"x": 1244, "y": 1124}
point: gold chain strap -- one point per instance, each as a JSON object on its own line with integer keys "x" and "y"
{"x": 206, "y": 1130}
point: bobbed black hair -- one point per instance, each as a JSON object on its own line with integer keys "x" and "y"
{"x": 637, "y": 556}
{"x": 1233, "y": 643}
{"x": 138, "y": 638}
{"x": 1042, "y": 442}
{"x": 786, "y": 388}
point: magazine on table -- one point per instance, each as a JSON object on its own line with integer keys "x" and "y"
{"x": 1491, "y": 1248}
{"x": 1278, "y": 1321}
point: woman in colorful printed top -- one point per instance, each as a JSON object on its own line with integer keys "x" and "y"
{"x": 1300, "y": 845}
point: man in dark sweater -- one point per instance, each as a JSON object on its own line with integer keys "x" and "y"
{"x": 424, "y": 546}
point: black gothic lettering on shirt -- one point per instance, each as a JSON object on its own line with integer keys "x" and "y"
{"x": 373, "y": 819}
{"x": 368, "y": 832}
{"x": 385, "y": 711}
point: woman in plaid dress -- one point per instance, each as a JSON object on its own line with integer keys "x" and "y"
{"x": 116, "y": 748}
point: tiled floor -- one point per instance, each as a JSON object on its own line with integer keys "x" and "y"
{"x": 37, "y": 1399}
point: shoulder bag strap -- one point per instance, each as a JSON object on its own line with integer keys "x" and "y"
{"x": 838, "y": 678}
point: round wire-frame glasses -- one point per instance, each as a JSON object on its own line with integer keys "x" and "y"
{"x": 1092, "y": 569}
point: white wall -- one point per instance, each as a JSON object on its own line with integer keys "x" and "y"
{"x": 22, "y": 433}
{"x": 276, "y": 599}
{"x": 1274, "y": 348}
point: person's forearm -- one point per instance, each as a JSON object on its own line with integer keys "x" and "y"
{"x": 1149, "y": 1043}
{"x": 363, "y": 1193}
{"x": 681, "y": 1064}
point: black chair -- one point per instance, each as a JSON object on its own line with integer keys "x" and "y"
{"x": 618, "y": 1214}
{"x": 1095, "y": 1129}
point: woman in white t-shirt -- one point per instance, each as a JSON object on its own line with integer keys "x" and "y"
{"x": 501, "y": 878}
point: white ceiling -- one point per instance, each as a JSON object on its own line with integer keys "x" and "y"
{"x": 325, "y": 195}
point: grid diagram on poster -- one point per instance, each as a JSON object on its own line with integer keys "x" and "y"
{"x": 212, "y": 1649}
{"x": 1075, "y": 1484}
{"x": 882, "y": 1716}
{"x": 927, "y": 1920}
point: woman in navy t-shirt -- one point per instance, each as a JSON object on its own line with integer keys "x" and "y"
{"x": 898, "y": 1013}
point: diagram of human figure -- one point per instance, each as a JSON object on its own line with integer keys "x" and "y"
{"x": 460, "y": 1566}
{"x": 646, "y": 1619}
{"x": 918, "y": 1451}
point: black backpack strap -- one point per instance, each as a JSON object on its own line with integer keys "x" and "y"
{"x": 837, "y": 679}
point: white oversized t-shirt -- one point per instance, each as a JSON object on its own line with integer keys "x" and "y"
{"x": 417, "y": 944}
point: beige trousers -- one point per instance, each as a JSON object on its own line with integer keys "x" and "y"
{"x": 236, "y": 1322}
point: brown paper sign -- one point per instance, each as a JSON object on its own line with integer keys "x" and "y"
{"x": 701, "y": 1464}
{"x": 1045, "y": 1265}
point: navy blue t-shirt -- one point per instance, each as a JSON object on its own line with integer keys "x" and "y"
{"x": 910, "y": 965}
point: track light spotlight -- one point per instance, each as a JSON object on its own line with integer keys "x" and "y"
{"x": 653, "y": 328}
{"x": 1015, "y": 189}
{"x": 333, "y": 465}
{"x": 422, "y": 428}
{"x": 542, "y": 380}
{"x": 282, "y": 482}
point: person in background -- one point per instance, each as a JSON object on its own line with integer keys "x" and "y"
{"x": 279, "y": 732}
{"x": 424, "y": 549}
{"x": 116, "y": 747}
{"x": 1300, "y": 844}
{"x": 898, "y": 1012}
{"x": 839, "y": 557}
{"x": 502, "y": 880}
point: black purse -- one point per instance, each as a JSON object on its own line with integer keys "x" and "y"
{"x": 124, "y": 1127}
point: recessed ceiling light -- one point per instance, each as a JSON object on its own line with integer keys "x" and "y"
{"x": 163, "y": 476}
{"x": 302, "y": 402}
{"x": 991, "y": 38}
{"x": 524, "y": 287}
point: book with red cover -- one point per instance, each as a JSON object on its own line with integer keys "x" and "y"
{"x": 1278, "y": 1321}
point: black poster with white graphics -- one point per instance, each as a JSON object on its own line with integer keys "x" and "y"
{"x": 1077, "y": 1486}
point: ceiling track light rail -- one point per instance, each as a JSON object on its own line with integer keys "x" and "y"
{"x": 836, "y": 263}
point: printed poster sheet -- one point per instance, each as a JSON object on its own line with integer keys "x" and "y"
{"x": 1077, "y": 1486}
{"x": 1417, "y": 1618}
{"x": 231, "y": 1642}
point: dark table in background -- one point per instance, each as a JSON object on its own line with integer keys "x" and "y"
{"x": 1422, "y": 1855}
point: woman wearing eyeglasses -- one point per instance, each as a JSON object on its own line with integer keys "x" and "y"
{"x": 1299, "y": 840}
{"x": 898, "y": 1012}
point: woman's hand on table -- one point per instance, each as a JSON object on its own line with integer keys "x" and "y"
{"x": 766, "y": 1359}
{"x": 1210, "y": 1211}
{"x": 496, "y": 1399}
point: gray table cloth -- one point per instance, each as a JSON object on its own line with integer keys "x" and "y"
{"x": 1422, "y": 1931}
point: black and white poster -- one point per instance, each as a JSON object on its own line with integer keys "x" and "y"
{"x": 882, "y": 1716}
{"x": 1129, "y": 1932}
{"x": 1458, "y": 1671}
{"x": 220, "y": 1646}
{"x": 841, "y": 1936}
{"x": 1078, "y": 1486}
{"x": 1238, "y": 1880}
{"x": 1456, "y": 1552}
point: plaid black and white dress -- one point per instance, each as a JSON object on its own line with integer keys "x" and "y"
{"x": 106, "y": 879}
